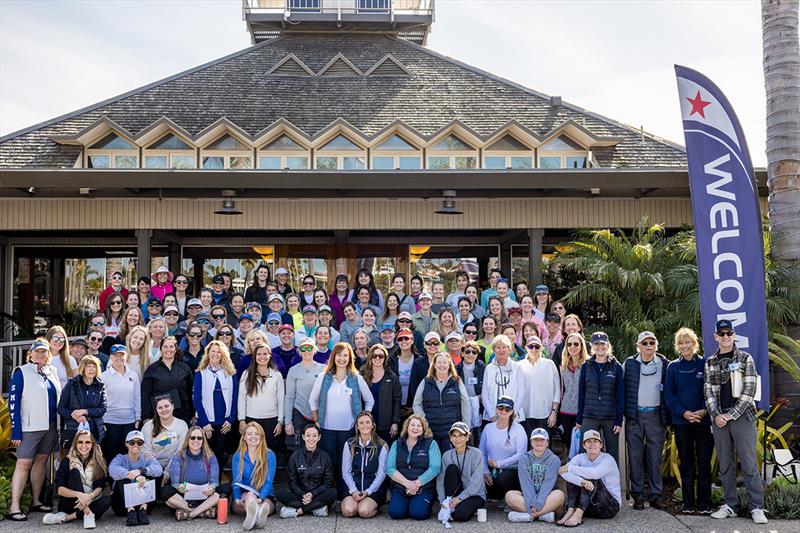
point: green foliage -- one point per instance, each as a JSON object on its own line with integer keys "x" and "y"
{"x": 780, "y": 353}
{"x": 775, "y": 436}
{"x": 782, "y": 500}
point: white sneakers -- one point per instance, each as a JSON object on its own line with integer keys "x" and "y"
{"x": 261, "y": 516}
{"x": 758, "y": 516}
{"x": 251, "y": 514}
{"x": 88, "y": 521}
{"x": 322, "y": 511}
{"x": 288, "y": 512}
{"x": 515, "y": 516}
{"x": 548, "y": 517}
{"x": 725, "y": 511}
{"x": 51, "y": 519}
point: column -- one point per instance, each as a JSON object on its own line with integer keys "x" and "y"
{"x": 143, "y": 252}
{"x": 534, "y": 257}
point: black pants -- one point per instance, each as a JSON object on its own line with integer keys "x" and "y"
{"x": 67, "y": 505}
{"x": 219, "y": 444}
{"x": 384, "y": 434}
{"x": 333, "y": 442}
{"x": 695, "y": 445}
{"x": 598, "y": 503}
{"x": 532, "y": 423}
{"x": 118, "y": 496}
{"x": 276, "y": 444}
{"x": 114, "y": 441}
{"x": 567, "y": 423}
{"x": 467, "y": 508}
{"x": 168, "y": 491}
{"x": 443, "y": 442}
{"x": 290, "y": 499}
{"x": 299, "y": 422}
{"x": 504, "y": 481}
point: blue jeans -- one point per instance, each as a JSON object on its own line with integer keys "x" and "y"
{"x": 417, "y": 507}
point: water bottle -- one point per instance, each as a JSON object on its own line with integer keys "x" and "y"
{"x": 222, "y": 511}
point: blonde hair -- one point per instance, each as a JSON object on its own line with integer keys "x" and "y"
{"x": 686, "y": 334}
{"x": 451, "y": 370}
{"x": 502, "y": 339}
{"x": 426, "y": 429}
{"x": 87, "y": 360}
{"x": 225, "y": 358}
{"x": 49, "y": 355}
{"x": 207, "y": 453}
{"x": 565, "y": 357}
{"x": 251, "y": 335}
{"x": 64, "y": 354}
{"x": 96, "y": 460}
{"x": 330, "y": 368}
{"x": 260, "y": 465}
{"x": 144, "y": 352}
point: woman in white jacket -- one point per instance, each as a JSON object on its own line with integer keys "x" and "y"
{"x": 501, "y": 378}
{"x": 261, "y": 394}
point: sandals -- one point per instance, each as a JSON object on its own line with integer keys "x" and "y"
{"x": 40, "y": 508}
{"x": 209, "y": 513}
{"x": 16, "y": 517}
{"x": 182, "y": 516}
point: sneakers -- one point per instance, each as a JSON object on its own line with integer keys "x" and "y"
{"x": 518, "y": 517}
{"x": 322, "y": 511}
{"x": 88, "y": 521}
{"x": 251, "y": 514}
{"x": 758, "y": 516}
{"x": 688, "y": 509}
{"x": 548, "y": 517}
{"x": 704, "y": 510}
{"x": 638, "y": 504}
{"x": 724, "y": 512}
{"x": 141, "y": 517}
{"x": 288, "y": 512}
{"x": 261, "y": 516}
{"x": 51, "y": 519}
{"x": 132, "y": 519}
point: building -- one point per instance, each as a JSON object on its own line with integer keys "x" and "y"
{"x": 342, "y": 141}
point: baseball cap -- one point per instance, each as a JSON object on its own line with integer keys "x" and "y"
{"x": 171, "y": 308}
{"x": 285, "y": 326}
{"x": 424, "y": 294}
{"x": 38, "y": 345}
{"x": 541, "y": 289}
{"x": 309, "y": 309}
{"x": 117, "y": 348}
{"x": 134, "y": 434}
{"x": 505, "y": 401}
{"x": 533, "y": 338}
{"x": 645, "y": 335}
{"x": 432, "y": 335}
{"x": 591, "y": 434}
{"x": 599, "y": 336}
{"x": 153, "y": 301}
{"x": 325, "y": 309}
{"x": 275, "y": 296}
{"x": 79, "y": 342}
{"x": 194, "y": 301}
{"x": 307, "y": 341}
{"x": 405, "y": 332}
{"x": 514, "y": 310}
{"x": 552, "y": 317}
{"x": 281, "y": 270}
{"x": 253, "y": 305}
{"x": 540, "y": 433}
{"x": 404, "y": 315}
{"x": 387, "y": 327}
{"x": 724, "y": 325}
{"x": 273, "y": 317}
{"x": 461, "y": 427}
{"x": 246, "y": 316}
{"x": 453, "y": 335}
{"x": 219, "y": 278}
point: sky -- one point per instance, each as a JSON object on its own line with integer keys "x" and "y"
{"x": 614, "y": 58}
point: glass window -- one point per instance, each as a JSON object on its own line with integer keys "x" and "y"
{"x": 304, "y": 5}
{"x": 494, "y": 162}
{"x": 550, "y": 162}
{"x": 521, "y": 163}
{"x": 439, "y": 163}
{"x": 126, "y": 161}
{"x": 269, "y": 162}
{"x": 297, "y": 162}
{"x": 169, "y": 142}
{"x": 213, "y": 162}
{"x": 441, "y": 262}
{"x": 410, "y": 163}
{"x": 227, "y": 142}
{"x": 395, "y": 142}
{"x": 326, "y": 163}
{"x": 383, "y": 162}
{"x": 576, "y": 161}
{"x": 183, "y": 162}
{"x": 466, "y": 162}
{"x": 508, "y": 143}
{"x": 99, "y": 161}
{"x": 561, "y": 144}
{"x": 155, "y": 161}
{"x": 112, "y": 141}
{"x": 241, "y": 162}
{"x": 340, "y": 142}
{"x": 450, "y": 143}
{"x": 354, "y": 163}
{"x": 284, "y": 143}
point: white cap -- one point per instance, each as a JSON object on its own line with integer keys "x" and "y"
{"x": 432, "y": 335}
{"x": 281, "y": 270}
{"x": 424, "y": 294}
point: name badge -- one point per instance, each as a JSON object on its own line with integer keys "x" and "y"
{"x": 348, "y": 391}
{"x": 699, "y": 375}
{"x": 472, "y": 381}
{"x": 733, "y": 366}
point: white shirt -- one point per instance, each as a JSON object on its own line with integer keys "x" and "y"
{"x": 338, "y": 408}
{"x": 123, "y": 396}
{"x": 267, "y": 402}
{"x": 498, "y": 382}
{"x": 61, "y": 371}
{"x": 540, "y": 387}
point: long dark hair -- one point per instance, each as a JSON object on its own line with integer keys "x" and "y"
{"x": 255, "y": 285}
{"x": 157, "y": 426}
{"x": 254, "y": 380}
{"x": 373, "y": 290}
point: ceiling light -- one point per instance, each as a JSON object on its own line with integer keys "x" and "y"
{"x": 228, "y": 204}
{"x": 449, "y": 204}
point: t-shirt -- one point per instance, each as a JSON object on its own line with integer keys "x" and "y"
{"x": 726, "y": 400}
{"x": 167, "y": 443}
{"x": 405, "y": 377}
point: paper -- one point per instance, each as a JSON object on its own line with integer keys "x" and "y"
{"x": 248, "y": 488}
{"x": 136, "y": 495}
{"x": 195, "y": 492}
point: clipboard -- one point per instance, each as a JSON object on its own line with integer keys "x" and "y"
{"x": 136, "y": 495}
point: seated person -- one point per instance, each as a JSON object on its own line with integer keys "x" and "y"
{"x": 253, "y": 471}
{"x": 364, "y": 469}
{"x": 460, "y": 483}
{"x": 538, "y": 473}
{"x": 312, "y": 485}
{"x": 133, "y": 467}
{"x": 413, "y": 464}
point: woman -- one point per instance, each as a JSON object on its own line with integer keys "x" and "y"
{"x": 527, "y": 306}
{"x": 83, "y": 403}
{"x": 257, "y": 292}
{"x": 542, "y": 297}
{"x": 206, "y": 299}
{"x": 219, "y": 318}
{"x": 601, "y": 394}
{"x": 570, "y": 324}
{"x": 227, "y": 336}
{"x": 182, "y": 295}
{"x": 683, "y": 392}
{"x": 61, "y": 360}
{"x": 471, "y": 370}
{"x": 156, "y": 332}
{"x": 501, "y": 377}
{"x": 114, "y": 287}
{"x": 417, "y": 286}
{"x": 124, "y": 403}
{"x": 442, "y": 399}
{"x": 488, "y": 331}
{"x": 559, "y": 308}
{"x": 261, "y": 395}
{"x": 361, "y": 347}
{"x": 251, "y": 340}
{"x": 162, "y": 282}
{"x": 132, "y": 300}
{"x": 497, "y": 310}
{"x": 540, "y": 389}
{"x": 510, "y": 331}
{"x": 351, "y": 323}
{"x": 385, "y": 389}
{"x": 538, "y": 497}
{"x": 571, "y": 366}
{"x": 80, "y": 480}
{"x": 133, "y": 467}
{"x": 293, "y": 310}
{"x": 143, "y": 288}
{"x": 503, "y": 443}
{"x": 464, "y": 315}
{"x": 307, "y": 296}
{"x": 138, "y": 348}
{"x": 33, "y": 410}
{"x": 473, "y": 293}
{"x": 253, "y": 470}
{"x": 339, "y": 394}
{"x": 460, "y": 484}
{"x": 168, "y": 376}
{"x": 370, "y": 326}
{"x": 322, "y": 339}
{"x": 447, "y": 322}
{"x": 338, "y": 299}
{"x": 312, "y": 486}
{"x": 414, "y": 462}
{"x": 364, "y": 470}
{"x": 235, "y": 308}
{"x": 215, "y": 397}
{"x": 194, "y": 351}
{"x": 194, "y": 464}
{"x": 529, "y": 329}
{"x": 319, "y": 297}
{"x": 299, "y": 381}
{"x": 521, "y": 289}
{"x": 164, "y": 434}
{"x": 113, "y": 315}
{"x": 365, "y": 279}
{"x": 401, "y": 363}
{"x": 389, "y": 316}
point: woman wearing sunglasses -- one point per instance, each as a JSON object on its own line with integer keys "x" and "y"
{"x": 503, "y": 443}
{"x": 227, "y": 336}
{"x": 442, "y": 399}
{"x": 215, "y": 397}
{"x": 401, "y": 363}
{"x": 541, "y": 389}
{"x": 386, "y": 392}
{"x": 261, "y": 396}
{"x": 460, "y": 484}
{"x": 65, "y": 365}
{"x": 115, "y": 305}
{"x": 194, "y": 351}
{"x": 80, "y": 481}
{"x": 575, "y": 354}
{"x": 114, "y": 287}
{"x": 94, "y": 340}
{"x": 194, "y": 464}
{"x": 133, "y": 467}
{"x": 300, "y": 380}
{"x": 471, "y": 370}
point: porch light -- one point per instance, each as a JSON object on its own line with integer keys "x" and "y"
{"x": 449, "y": 204}
{"x": 228, "y": 204}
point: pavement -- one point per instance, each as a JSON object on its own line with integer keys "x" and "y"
{"x": 627, "y": 521}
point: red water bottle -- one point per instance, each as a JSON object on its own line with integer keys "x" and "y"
{"x": 222, "y": 511}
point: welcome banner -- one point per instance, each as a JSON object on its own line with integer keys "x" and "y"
{"x": 727, "y": 220}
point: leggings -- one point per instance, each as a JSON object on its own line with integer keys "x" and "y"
{"x": 466, "y": 508}
{"x": 504, "y": 481}
{"x": 67, "y": 505}
{"x": 118, "y": 496}
{"x": 113, "y": 442}
{"x": 290, "y": 499}
{"x": 598, "y": 503}
{"x": 333, "y": 442}
{"x": 219, "y": 444}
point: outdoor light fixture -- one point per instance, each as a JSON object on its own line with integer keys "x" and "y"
{"x": 228, "y": 204}
{"x": 449, "y": 204}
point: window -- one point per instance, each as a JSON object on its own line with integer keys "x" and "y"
{"x": 396, "y": 153}
{"x": 341, "y": 154}
{"x": 373, "y": 6}
{"x": 452, "y": 153}
{"x": 170, "y": 151}
{"x": 304, "y": 5}
{"x": 508, "y": 152}
{"x": 562, "y": 152}
{"x": 283, "y": 153}
{"x": 227, "y": 152}
{"x": 112, "y": 151}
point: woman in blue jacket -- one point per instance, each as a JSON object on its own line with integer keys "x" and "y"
{"x": 83, "y": 403}
{"x": 133, "y": 467}
{"x": 253, "y": 471}
{"x": 216, "y": 392}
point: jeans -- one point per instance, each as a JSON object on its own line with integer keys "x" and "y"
{"x": 695, "y": 445}
{"x": 417, "y": 507}
{"x": 67, "y": 505}
{"x": 290, "y": 499}
{"x": 333, "y": 442}
{"x": 645, "y": 439}
{"x": 598, "y": 503}
{"x": 606, "y": 429}
{"x": 738, "y": 437}
{"x": 466, "y": 508}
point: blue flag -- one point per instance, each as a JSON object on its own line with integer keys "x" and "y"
{"x": 727, "y": 220}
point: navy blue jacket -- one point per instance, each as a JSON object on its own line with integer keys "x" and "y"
{"x": 442, "y": 409}
{"x": 632, "y": 373}
{"x": 78, "y": 395}
{"x": 601, "y": 391}
{"x": 416, "y": 465}
{"x": 683, "y": 389}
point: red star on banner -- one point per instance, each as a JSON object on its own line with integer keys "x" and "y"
{"x": 698, "y": 105}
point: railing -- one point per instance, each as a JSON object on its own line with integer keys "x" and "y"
{"x": 417, "y": 7}
{"x": 12, "y": 354}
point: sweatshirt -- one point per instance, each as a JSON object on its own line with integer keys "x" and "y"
{"x": 505, "y": 446}
{"x": 471, "y": 465}
{"x": 537, "y": 477}
{"x": 683, "y": 389}
{"x": 604, "y": 468}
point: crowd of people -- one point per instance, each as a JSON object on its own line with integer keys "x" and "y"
{"x": 394, "y": 401}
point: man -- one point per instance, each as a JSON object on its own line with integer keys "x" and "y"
{"x": 646, "y": 418}
{"x": 218, "y": 292}
{"x": 281, "y": 279}
{"x": 729, "y": 390}
{"x": 424, "y": 320}
{"x": 438, "y": 297}
{"x": 114, "y": 287}
{"x": 275, "y": 304}
{"x": 462, "y": 280}
{"x": 453, "y": 343}
{"x": 538, "y": 499}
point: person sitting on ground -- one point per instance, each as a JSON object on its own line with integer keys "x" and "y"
{"x": 133, "y": 467}
{"x": 538, "y": 473}
{"x": 253, "y": 470}
{"x": 312, "y": 484}
{"x": 364, "y": 469}
{"x": 460, "y": 483}
{"x": 592, "y": 483}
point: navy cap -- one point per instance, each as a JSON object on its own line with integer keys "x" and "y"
{"x": 724, "y": 325}
{"x": 219, "y": 278}
{"x": 253, "y": 305}
{"x": 118, "y": 348}
{"x": 599, "y": 336}
{"x": 541, "y": 289}
{"x": 273, "y": 317}
{"x": 153, "y": 300}
{"x": 39, "y": 345}
{"x": 505, "y": 401}
{"x": 246, "y": 316}
{"x": 552, "y": 317}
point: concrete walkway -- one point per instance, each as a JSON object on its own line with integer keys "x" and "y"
{"x": 627, "y": 521}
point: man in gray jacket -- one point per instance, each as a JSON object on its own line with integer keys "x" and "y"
{"x": 538, "y": 473}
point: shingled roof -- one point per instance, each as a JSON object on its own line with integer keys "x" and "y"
{"x": 437, "y": 91}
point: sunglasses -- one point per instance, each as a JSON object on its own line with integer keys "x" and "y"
{"x": 57, "y": 339}
{"x": 720, "y": 334}
{"x": 115, "y": 303}
{"x": 380, "y": 355}
{"x": 308, "y": 283}
{"x": 181, "y": 282}
{"x": 648, "y": 343}
{"x": 136, "y": 442}
{"x": 98, "y": 324}
{"x": 534, "y": 346}
{"x": 470, "y": 351}
{"x": 404, "y": 339}
{"x": 195, "y": 306}
{"x": 217, "y": 317}
{"x": 307, "y": 349}
{"x": 154, "y": 304}
{"x": 203, "y": 322}
{"x": 95, "y": 339}
{"x": 171, "y": 313}
{"x": 432, "y": 343}
{"x": 195, "y": 334}
{"x": 273, "y": 323}
{"x": 200, "y": 438}
{"x": 404, "y": 321}
{"x": 470, "y": 332}
{"x": 504, "y": 408}
{"x": 225, "y": 334}
{"x": 116, "y": 277}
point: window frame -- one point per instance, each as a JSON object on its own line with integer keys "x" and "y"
{"x": 170, "y": 154}
{"x": 452, "y": 154}
{"x": 340, "y": 154}
{"x": 396, "y": 153}
{"x": 562, "y": 154}
{"x": 283, "y": 154}
{"x": 111, "y": 153}
{"x": 226, "y": 154}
